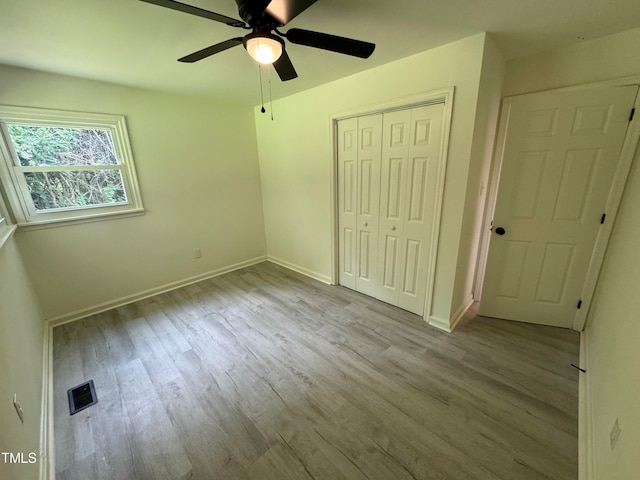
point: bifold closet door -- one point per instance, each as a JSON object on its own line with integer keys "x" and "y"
{"x": 387, "y": 169}
{"x": 359, "y": 153}
{"x": 410, "y": 156}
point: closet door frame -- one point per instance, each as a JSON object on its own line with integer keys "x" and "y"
{"x": 444, "y": 96}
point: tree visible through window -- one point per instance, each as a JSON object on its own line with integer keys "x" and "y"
{"x": 64, "y": 166}
{"x": 55, "y": 147}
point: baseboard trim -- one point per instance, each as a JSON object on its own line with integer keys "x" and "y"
{"x": 47, "y": 452}
{"x": 461, "y": 311}
{"x": 449, "y": 325}
{"x": 297, "y": 268}
{"x": 439, "y": 323}
{"x": 585, "y": 420}
{"x": 119, "y": 302}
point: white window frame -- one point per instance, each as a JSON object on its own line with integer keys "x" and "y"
{"x": 6, "y": 227}
{"x": 15, "y": 186}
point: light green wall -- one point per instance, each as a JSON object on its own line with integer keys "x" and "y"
{"x": 613, "y": 56}
{"x": 613, "y": 330}
{"x": 613, "y": 341}
{"x": 21, "y": 346}
{"x": 295, "y": 155}
{"x": 198, "y": 171}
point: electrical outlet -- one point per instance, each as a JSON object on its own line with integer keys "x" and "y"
{"x": 18, "y": 407}
{"x": 197, "y": 253}
{"x": 615, "y": 434}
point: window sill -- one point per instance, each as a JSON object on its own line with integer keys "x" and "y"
{"x": 52, "y": 223}
{"x": 6, "y": 232}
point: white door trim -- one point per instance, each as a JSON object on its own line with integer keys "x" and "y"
{"x": 490, "y": 202}
{"x": 428, "y": 98}
{"x": 631, "y": 140}
{"x": 613, "y": 202}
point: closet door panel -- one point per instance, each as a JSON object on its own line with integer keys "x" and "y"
{"x": 419, "y": 201}
{"x": 369, "y": 130}
{"x": 347, "y": 195}
{"x": 395, "y": 148}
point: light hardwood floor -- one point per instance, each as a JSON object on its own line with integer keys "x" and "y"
{"x": 265, "y": 374}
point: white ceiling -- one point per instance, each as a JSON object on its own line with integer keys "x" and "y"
{"x": 135, "y": 43}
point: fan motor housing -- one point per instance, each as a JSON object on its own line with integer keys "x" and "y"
{"x": 253, "y": 12}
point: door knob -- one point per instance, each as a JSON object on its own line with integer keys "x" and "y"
{"x": 500, "y": 231}
{"x": 393, "y": 227}
{"x": 366, "y": 224}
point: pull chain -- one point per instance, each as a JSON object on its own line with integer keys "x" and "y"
{"x": 261, "y": 94}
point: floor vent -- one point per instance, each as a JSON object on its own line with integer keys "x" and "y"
{"x": 81, "y": 397}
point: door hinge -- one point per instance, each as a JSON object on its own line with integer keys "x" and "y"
{"x": 633, "y": 112}
{"x": 604, "y": 215}
{"x": 579, "y": 304}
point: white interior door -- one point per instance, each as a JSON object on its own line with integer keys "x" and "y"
{"x": 425, "y": 145}
{"x": 387, "y": 183}
{"x": 347, "y": 214}
{"x": 359, "y": 146}
{"x": 368, "y": 203}
{"x": 410, "y": 154}
{"x": 560, "y": 155}
{"x": 395, "y": 154}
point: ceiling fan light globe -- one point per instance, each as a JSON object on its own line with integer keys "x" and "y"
{"x": 264, "y": 50}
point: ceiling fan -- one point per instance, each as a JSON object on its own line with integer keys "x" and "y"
{"x": 263, "y": 17}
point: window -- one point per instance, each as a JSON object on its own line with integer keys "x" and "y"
{"x": 66, "y": 166}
